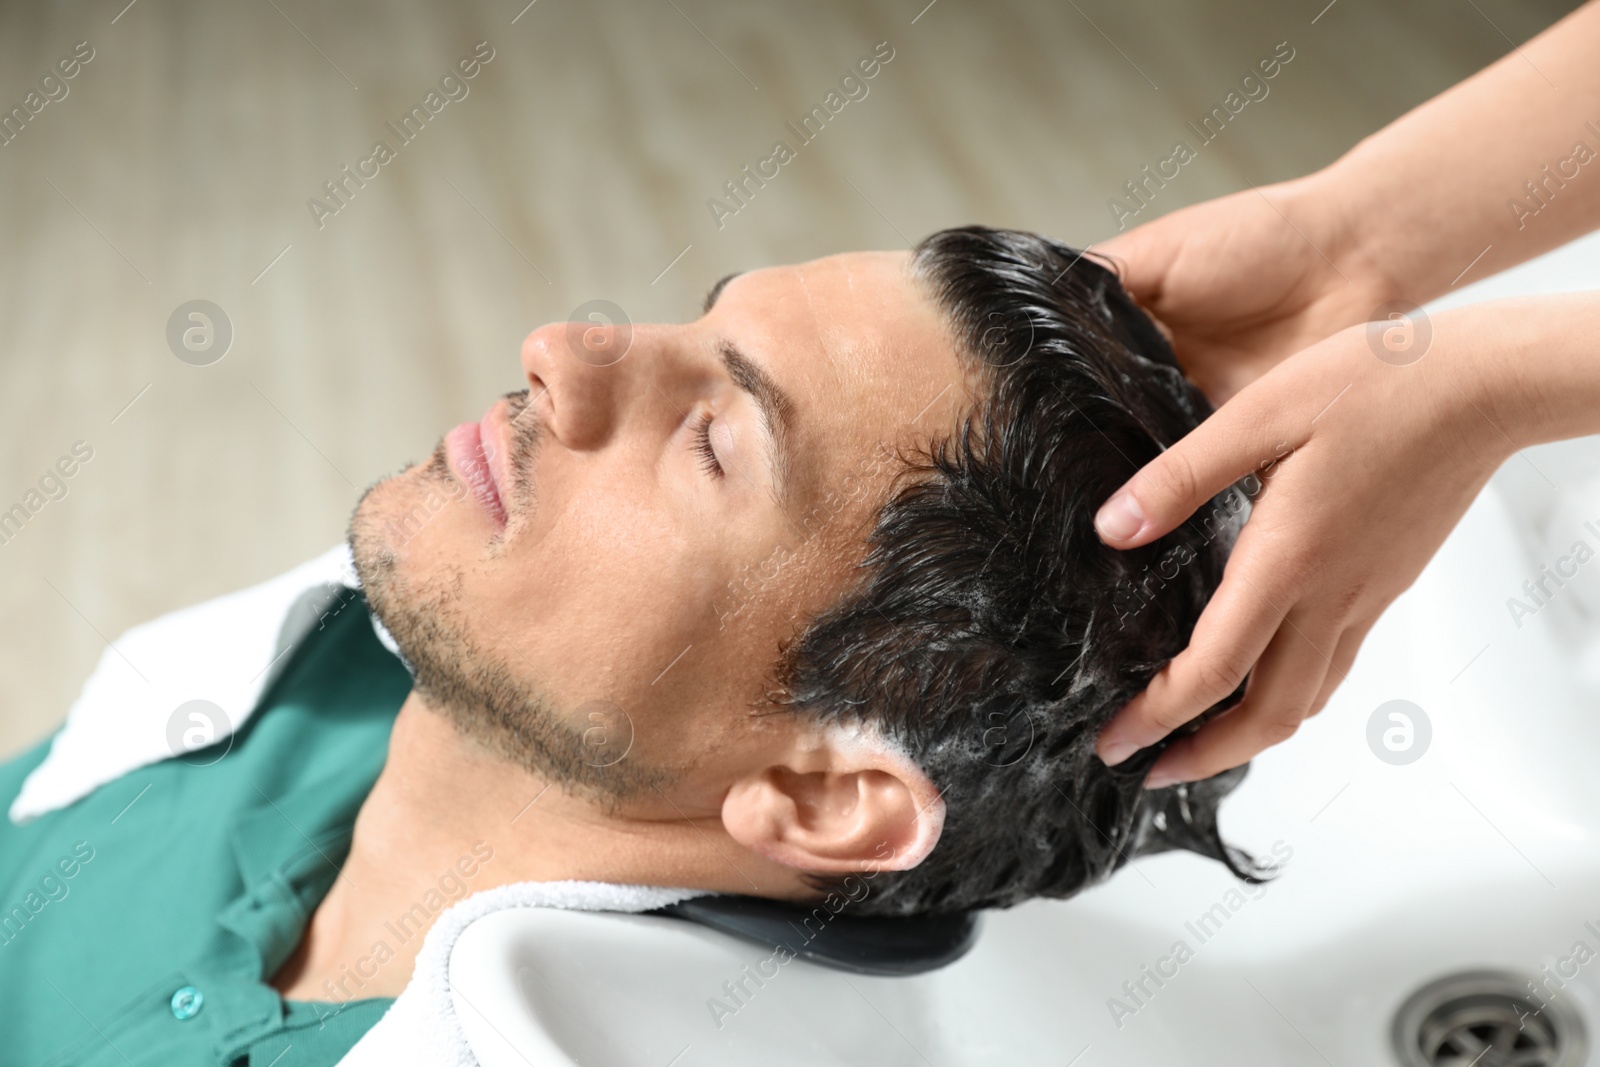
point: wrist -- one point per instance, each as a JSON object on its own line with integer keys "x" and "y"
{"x": 1361, "y": 273}
{"x": 1526, "y": 365}
{"x": 1364, "y": 242}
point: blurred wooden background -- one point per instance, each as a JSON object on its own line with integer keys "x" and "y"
{"x": 179, "y": 162}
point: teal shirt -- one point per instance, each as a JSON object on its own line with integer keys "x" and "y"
{"x": 142, "y": 924}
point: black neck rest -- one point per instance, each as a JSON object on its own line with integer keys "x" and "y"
{"x": 861, "y": 944}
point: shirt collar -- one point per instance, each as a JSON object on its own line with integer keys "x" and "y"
{"x": 226, "y": 651}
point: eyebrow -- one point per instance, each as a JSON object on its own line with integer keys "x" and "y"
{"x": 716, "y": 291}
{"x": 777, "y": 412}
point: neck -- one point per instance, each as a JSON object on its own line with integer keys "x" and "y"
{"x": 447, "y": 817}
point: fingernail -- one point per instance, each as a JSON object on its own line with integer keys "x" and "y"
{"x": 1119, "y": 518}
{"x": 1160, "y": 777}
{"x": 1117, "y": 751}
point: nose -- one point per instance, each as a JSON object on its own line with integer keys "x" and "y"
{"x": 577, "y": 377}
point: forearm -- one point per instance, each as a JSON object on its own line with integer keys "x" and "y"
{"x": 1530, "y": 367}
{"x": 1424, "y": 197}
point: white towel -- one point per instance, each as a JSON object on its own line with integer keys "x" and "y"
{"x": 226, "y": 650}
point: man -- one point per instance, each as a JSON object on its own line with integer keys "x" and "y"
{"x": 802, "y": 592}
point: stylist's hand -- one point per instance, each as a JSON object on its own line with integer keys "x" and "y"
{"x": 1384, "y": 461}
{"x": 1245, "y": 280}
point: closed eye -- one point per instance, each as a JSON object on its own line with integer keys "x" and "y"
{"x": 702, "y": 446}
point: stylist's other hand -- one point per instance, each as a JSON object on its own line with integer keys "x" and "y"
{"x": 1245, "y": 280}
{"x": 1365, "y": 466}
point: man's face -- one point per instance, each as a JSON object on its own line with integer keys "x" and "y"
{"x": 596, "y": 579}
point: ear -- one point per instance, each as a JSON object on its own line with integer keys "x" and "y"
{"x": 847, "y": 801}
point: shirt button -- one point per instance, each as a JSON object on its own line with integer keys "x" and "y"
{"x": 186, "y": 1003}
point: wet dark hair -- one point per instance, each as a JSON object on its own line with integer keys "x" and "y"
{"x": 989, "y": 631}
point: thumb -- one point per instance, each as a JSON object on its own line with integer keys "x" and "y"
{"x": 1185, "y": 477}
{"x": 1141, "y": 257}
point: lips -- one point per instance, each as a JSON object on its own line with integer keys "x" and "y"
{"x": 477, "y": 456}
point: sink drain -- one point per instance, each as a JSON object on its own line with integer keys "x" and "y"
{"x": 1486, "y": 1019}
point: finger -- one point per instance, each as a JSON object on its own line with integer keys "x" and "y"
{"x": 1285, "y": 683}
{"x": 1349, "y": 645}
{"x": 1141, "y": 259}
{"x": 1234, "y": 630}
{"x": 1234, "y": 441}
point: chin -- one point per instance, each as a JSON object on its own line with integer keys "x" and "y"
{"x": 401, "y": 518}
